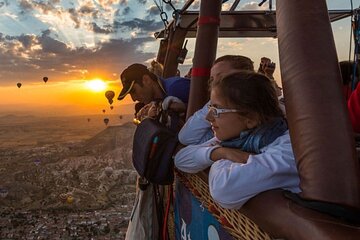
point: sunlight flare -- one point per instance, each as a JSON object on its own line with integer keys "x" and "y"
{"x": 96, "y": 85}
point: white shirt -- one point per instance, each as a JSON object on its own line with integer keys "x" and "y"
{"x": 196, "y": 129}
{"x": 232, "y": 184}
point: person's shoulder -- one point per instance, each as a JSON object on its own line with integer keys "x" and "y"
{"x": 282, "y": 139}
{"x": 281, "y": 143}
{"x": 177, "y": 79}
{"x": 177, "y": 82}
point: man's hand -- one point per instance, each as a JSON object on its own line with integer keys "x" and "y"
{"x": 267, "y": 67}
{"x": 232, "y": 154}
{"x": 178, "y": 107}
{"x": 174, "y": 104}
{"x": 150, "y": 110}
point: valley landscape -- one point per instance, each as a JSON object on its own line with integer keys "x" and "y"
{"x": 65, "y": 177}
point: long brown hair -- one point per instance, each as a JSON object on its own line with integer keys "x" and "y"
{"x": 251, "y": 92}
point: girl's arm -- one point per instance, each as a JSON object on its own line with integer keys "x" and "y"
{"x": 232, "y": 184}
{"x": 195, "y": 158}
{"x": 197, "y": 129}
{"x": 232, "y": 154}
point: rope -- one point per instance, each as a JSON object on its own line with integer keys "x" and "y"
{"x": 356, "y": 49}
{"x": 351, "y": 27}
{"x": 165, "y": 233}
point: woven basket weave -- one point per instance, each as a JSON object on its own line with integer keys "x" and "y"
{"x": 237, "y": 225}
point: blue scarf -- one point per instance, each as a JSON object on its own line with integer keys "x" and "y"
{"x": 254, "y": 139}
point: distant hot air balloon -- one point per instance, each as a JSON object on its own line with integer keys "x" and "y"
{"x": 88, "y": 119}
{"x": 3, "y": 192}
{"x": 109, "y": 171}
{"x": 110, "y": 95}
{"x": 45, "y": 79}
{"x": 18, "y": 85}
{"x": 70, "y": 199}
{"x": 111, "y": 107}
{"x": 120, "y": 116}
{"x": 63, "y": 197}
{"x": 103, "y": 111}
{"x": 106, "y": 121}
{"x": 37, "y": 162}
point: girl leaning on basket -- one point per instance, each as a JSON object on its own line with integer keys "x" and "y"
{"x": 251, "y": 151}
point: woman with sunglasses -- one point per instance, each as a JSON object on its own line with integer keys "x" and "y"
{"x": 251, "y": 151}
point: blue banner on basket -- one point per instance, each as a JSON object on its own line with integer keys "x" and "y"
{"x": 193, "y": 221}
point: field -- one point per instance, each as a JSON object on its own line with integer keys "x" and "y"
{"x": 59, "y": 167}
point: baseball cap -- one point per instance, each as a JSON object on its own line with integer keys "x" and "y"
{"x": 129, "y": 76}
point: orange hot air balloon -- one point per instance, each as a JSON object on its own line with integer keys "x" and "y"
{"x": 103, "y": 111}
{"x": 106, "y": 121}
{"x": 45, "y": 79}
{"x": 111, "y": 107}
{"x": 70, "y": 199}
{"x": 110, "y": 95}
{"x": 18, "y": 85}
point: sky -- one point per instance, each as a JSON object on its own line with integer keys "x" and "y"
{"x": 83, "y": 45}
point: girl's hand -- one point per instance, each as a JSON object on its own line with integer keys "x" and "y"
{"x": 232, "y": 154}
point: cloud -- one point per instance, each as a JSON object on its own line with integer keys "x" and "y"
{"x": 126, "y": 11}
{"x": 74, "y": 16}
{"x": 109, "y": 3}
{"x": 143, "y": 2}
{"x": 195, "y": 5}
{"x": 4, "y": 3}
{"x": 89, "y": 9}
{"x": 123, "y": 2}
{"x": 123, "y": 10}
{"x": 85, "y": 13}
{"x": 27, "y": 41}
{"x": 42, "y": 6}
{"x": 143, "y": 25}
{"x": 95, "y": 28}
{"x": 29, "y": 57}
{"x": 153, "y": 10}
{"x": 50, "y": 45}
{"x": 255, "y": 6}
{"x": 25, "y": 6}
{"x": 176, "y": 3}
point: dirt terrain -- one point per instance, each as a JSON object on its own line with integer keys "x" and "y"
{"x": 65, "y": 167}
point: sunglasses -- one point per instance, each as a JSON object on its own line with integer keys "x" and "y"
{"x": 215, "y": 112}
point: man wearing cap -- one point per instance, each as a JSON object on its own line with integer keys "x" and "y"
{"x": 145, "y": 87}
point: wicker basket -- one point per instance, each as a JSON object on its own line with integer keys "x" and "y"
{"x": 237, "y": 225}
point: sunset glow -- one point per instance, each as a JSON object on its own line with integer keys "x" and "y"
{"x": 83, "y": 46}
{"x": 96, "y": 85}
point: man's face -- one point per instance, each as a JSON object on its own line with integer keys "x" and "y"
{"x": 142, "y": 94}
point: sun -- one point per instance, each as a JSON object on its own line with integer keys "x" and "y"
{"x": 96, "y": 85}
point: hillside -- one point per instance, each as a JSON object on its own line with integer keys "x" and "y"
{"x": 83, "y": 176}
